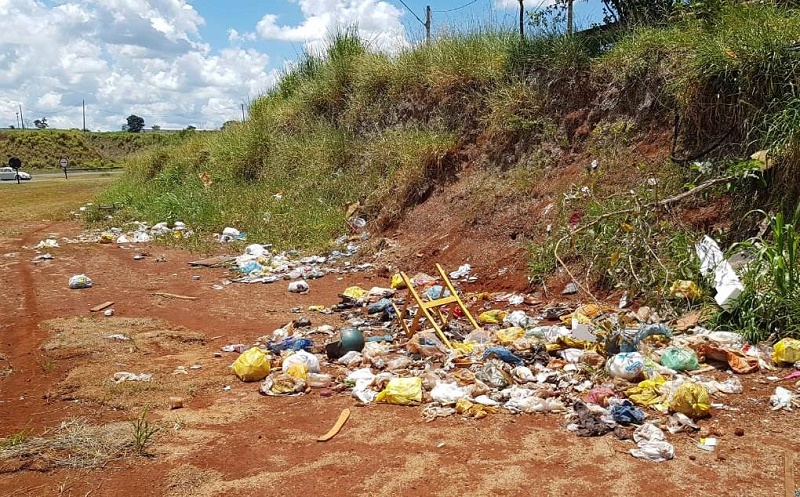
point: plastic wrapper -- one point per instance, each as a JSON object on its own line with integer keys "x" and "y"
{"x": 478, "y": 336}
{"x": 401, "y": 391}
{"x": 599, "y": 396}
{"x": 493, "y": 375}
{"x": 787, "y": 351}
{"x": 426, "y": 344}
{"x": 737, "y": 360}
{"x": 647, "y": 392}
{"x": 477, "y": 411}
{"x": 508, "y": 335}
{"x": 252, "y": 365}
{"x": 397, "y": 282}
{"x": 691, "y": 399}
{"x": 523, "y": 374}
{"x": 350, "y": 358}
{"x": 282, "y": 384}
{"x": 685, "y": 289}
{"x": 494, "y": 316}
{"x": 354, "y": 293}
{"x": 679, "y": 359}
{"x": 398, "y": 363}
{"x": 519, "y": 319}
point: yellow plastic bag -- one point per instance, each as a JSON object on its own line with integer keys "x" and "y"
{"x": 298, "y": 370}
{"x": 685, "y": 289}
{"x": 647, "y": 393}
{"x": 397, "y": 282}
{"x": 495, "y": 316}
{"x": 583, "y": 314}
{"x": 691, "y": 399}
{"x": 463, "y": 348}
{"x": 252, "y": 365}
{"x": 401, "y": 392}
{"x": 787, "y": 350}
{"x": 355, "y": 293}
{"x": 508, "y": 335}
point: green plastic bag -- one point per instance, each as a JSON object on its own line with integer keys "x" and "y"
{"x": 679, "y": 359}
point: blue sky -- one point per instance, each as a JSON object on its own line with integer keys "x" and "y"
{"x": 193, "y": 62}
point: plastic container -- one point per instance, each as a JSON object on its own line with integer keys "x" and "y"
{"x": 319, "y": 380}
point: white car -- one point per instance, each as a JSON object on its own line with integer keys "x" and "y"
{"x": 8, "y": 174}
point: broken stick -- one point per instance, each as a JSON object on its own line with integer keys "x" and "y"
{"x": 174, "y": 296}
{"x": 338, "y": 426}
{"x": 102, "y": 306}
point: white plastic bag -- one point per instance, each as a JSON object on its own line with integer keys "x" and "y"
{"x": 301, "y": 357}
{"x": 712, "y": 260}
{"x": 298, "y": 286}
{"x": 651, "y": 444}
{"x": 255, "y": 250}
{"x": 520, "y": 319}
{"x": 80, "y": 281}
{"x": 447, "y": 393}
{"x": 626, "y": 365}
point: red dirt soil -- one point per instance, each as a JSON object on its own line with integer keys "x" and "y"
{"x": 241, "y": 442}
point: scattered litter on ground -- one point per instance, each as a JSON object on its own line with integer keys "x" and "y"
{"x": 80, "y": 281}
{"x": 121, "y": 376}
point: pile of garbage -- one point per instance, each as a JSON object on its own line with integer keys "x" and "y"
{"x": 144, "y": 233}
{"x": 260, "y": 264}
{"x": 605, "y": 370}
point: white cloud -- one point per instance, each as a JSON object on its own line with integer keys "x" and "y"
{"x": 377, "y": 21}
{"x": 121, "y": 56}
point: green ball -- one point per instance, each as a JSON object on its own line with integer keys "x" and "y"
{"x": 352, "y": 340}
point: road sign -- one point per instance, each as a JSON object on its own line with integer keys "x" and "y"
{"x": 63, "y": 162}
{"x": 14, "y": 163}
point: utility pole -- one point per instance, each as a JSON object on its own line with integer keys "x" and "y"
{"x": 522, "y": 18}
{"x": 17, "y": 113}
{"x": 242, "y": 112}
{"x": 427, "y": 24}
{"x": 21, "y": 117}
{"x": 570, "y": 16}
{"x": 83, "y": 104}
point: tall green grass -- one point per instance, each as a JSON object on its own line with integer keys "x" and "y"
{"x": 349, "y": 124}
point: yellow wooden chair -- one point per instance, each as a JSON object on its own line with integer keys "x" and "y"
{"x": 426, "y": 306}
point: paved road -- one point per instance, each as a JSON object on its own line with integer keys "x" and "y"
{"x": 56, "y": 176}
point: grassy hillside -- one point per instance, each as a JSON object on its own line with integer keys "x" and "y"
{"x": 41, "y": 149}
{"x": 663, "y": 110}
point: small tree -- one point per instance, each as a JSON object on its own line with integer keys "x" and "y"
{"x": 155, "y": 127}
{"x": 135, "y": 124}
{"x": 41, "y": 123}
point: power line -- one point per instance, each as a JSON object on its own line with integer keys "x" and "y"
{"x": 412, "y": 12}
{"x": 455, "y": 8}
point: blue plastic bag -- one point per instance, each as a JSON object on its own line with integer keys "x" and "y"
{"x": 292, "y": 343}
{"x": 504, "y": 355}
